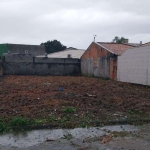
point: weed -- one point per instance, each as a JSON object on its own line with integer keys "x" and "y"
{"x": 3, "y": 127}
{"x": 132, "y": 111}
{"x": 19, "y": 123}
{"x": 83, "y": 124}
{"x": 51, "y": 118}
{"x": 69, "y": 110}
{"x": 39, "y": 121}
{"x": 64, "y": 119}
{"x": 105, "y": 78}
{"x": 68, "y": 136}
{"x": 108, "y": 118}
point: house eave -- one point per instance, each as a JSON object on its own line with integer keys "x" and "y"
{"x": 104, "y": 48}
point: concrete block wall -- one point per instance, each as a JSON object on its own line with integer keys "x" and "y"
{"x": 134, "y": 66}
{"x": 1, "y": 69}
{"x": 12, "y": 58}
{"x": 20, "y": 64}
{"x": 55, "y": 60}
{"x": 32, "y": 49}
{"x": 99, "y": 68}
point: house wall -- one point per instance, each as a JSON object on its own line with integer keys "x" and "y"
{"x": 96, "y": 61}
{"x": 134, "y": 66}
{"x": 32, "y": 49}
{"x": 22, "y": 64}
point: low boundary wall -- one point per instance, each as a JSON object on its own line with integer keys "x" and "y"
{"x": 27, "y": 64}
{"x": 1, "y": 69}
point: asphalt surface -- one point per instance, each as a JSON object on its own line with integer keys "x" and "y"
{"x": 126, "y": 138}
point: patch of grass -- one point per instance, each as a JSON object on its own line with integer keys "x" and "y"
{"x": 105, "y": 78}
{"x": 86, "y": 120}
{"x": 83, "y": 124}
{"x": 136, "y": 114}
{"x": 68, "y": 136}
{"x": 134, "y": 111}
{"x": 16, "y": 123}
{"x": 65, "y": 119}
{"x": 108, "y": 118}
{"x": 51, "y": 118}
{"x": 19, "y": 123}
{"x": 69, "y": 110}
{"x": 3, "y": 127}
{"x": 39, "y": 121}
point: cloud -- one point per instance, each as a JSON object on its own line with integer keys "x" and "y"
{"x": 73, "y": 22}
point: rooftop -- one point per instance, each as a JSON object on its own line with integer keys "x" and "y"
{"x": 115, "y": 48}
{"x": 72, "y": 53}
{"x": 146, "y": 44}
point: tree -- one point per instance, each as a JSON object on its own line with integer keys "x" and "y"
{"x": 53, "y": 46}
{"x": 119, "y": 40}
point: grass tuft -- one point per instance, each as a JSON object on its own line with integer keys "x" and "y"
{"x": 19, "y": 123}
{"x": 69, "y": 110}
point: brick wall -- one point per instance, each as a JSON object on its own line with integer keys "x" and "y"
{"x": 96, "y": 61}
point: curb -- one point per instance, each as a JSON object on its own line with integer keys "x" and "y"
{"x": 97, "y": 123}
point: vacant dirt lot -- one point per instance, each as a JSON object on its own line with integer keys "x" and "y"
{"x": 71, "y": 99}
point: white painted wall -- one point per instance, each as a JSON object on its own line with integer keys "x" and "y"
{"x": 134, "y": 66}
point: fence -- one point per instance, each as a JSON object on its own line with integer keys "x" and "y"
{"x": 27, "y": 64}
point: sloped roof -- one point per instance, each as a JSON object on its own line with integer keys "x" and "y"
{"x": 133, "y": 44}
{"x": 74, "y": 53}
{"x": 145, "y": 44}
{"x": 115, "y": 48}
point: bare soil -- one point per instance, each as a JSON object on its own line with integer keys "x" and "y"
{"x": 40, "y": 97}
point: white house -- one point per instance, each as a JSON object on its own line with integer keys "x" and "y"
{"x": 134, "y": 66}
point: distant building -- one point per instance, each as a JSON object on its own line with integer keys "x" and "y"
{"x": 100, "y": 59}
{"x": 68, "y": 53}
{"x": 22, "y": 49}
{"x": 146, "y": 44}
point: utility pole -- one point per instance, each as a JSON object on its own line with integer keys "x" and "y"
{"x": 94, "y": 37}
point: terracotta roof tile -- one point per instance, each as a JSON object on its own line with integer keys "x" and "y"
{"x": 115, "y": 48}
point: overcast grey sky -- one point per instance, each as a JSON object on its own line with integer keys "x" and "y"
{"x": 73, "y": 22}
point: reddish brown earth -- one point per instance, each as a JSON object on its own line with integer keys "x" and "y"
{"x": 37, "y": 97}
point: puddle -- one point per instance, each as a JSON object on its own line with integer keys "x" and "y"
{"x": 30, "y": 138}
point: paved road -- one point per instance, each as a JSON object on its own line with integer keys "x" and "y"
{"x": 129, "y": 138}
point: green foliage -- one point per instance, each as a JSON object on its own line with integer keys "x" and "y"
{"x": 67, "y": 136}
{"x": 3, "y": 127}
{"x": 83, "y": 124}
{"x": 51, "y": 118}
{"x": 69, "y": 110}
{"x": 19, "y": 122}
{"x": 105, "y": 78}
{"x": 119, "y": 40}
{"x": 65, "y": 119}
{"x": 53, "y": 46}
{"x": 39, "y": 121}
{"x": 134, "y": 111}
